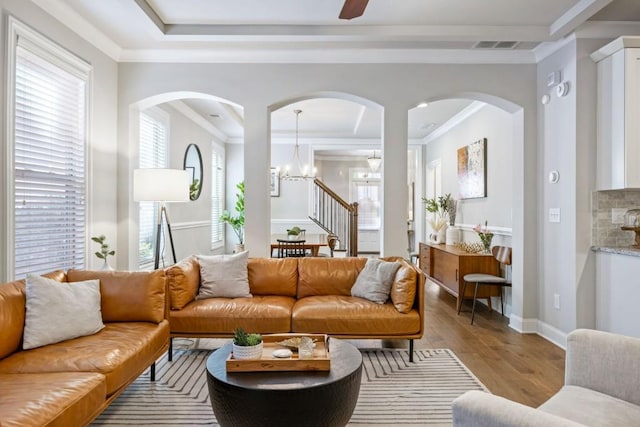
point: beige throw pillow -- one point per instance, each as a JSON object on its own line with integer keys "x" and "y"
{"x": 224, "y": 276}
{"x": 59, "y": 311}
{"x": 375, "y": 280}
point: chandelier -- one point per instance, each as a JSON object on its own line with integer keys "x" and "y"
{"x": 374, "y": 162}
{"x": 299, "y": 172}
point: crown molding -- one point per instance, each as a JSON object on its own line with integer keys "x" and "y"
{"x": 76, "y": 23}
{"x": 330, "y": 56}
{"x": 454, "y": 121}
{"x": 545, "y": 50}
{"x": 196, "y": 118}
{"x": 576, "y": 16}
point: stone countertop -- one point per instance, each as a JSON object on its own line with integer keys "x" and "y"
{"x": 621, "y": 250}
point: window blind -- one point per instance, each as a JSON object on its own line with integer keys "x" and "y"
{"x": 153, "y": 154}
{"x": 217, "y": 196}
{"x": 49, "y": 165}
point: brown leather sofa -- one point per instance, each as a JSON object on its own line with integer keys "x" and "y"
{"x": 71, "y": 382}
{"x": 304, "y": 295}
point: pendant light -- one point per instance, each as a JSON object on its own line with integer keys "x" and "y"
{"x": 374, "y": 162}
{"x": 297, "y": 172}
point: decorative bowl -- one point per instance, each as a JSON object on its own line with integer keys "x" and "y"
{"x": 294, "y": 342}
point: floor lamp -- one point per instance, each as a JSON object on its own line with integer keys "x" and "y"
{"x": 161, "y": 185}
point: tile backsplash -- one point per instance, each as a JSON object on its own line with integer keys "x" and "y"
{"x": 604, "y": 233}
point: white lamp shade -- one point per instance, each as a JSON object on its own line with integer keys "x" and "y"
{"x": 160, "y": 185}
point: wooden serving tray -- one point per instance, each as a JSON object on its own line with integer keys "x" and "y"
{"x": 320, "y": 362}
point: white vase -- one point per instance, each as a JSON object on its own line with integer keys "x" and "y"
{"x": 453, "y": 235}
{"x": 238, "y": 248}
{"x": 243, "y": 352}
{"x": 106, "y": 266}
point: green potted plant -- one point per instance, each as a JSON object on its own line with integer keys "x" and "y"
{"x": 237, "y": 221}
{"x": 246, "y": 346}
{"x": 104, "y": 251}
{"x": 293, "y": 233}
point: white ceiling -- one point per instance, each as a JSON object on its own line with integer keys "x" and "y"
{"x": 310, "y": 31}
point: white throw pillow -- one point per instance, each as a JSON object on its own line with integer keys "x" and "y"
{"x": 375, "y": 280}
{"x": 58, "y": 311}
{"x": 224, "y": 276}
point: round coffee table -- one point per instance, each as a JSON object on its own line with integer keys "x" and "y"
{"x": 300, "y": 398}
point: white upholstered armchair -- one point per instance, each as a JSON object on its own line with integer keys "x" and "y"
{"x": 602, "y": 388}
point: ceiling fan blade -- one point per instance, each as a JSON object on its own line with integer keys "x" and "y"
{"x": 353, "y": 9}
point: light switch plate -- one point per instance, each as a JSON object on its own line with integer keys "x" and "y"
{"x": 617, "y": 215}
{"x": 554, "y": 214}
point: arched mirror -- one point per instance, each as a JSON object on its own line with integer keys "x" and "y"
{"x": 193, "y": 164}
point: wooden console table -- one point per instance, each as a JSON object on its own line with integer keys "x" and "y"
{"x": 447, "y": 265}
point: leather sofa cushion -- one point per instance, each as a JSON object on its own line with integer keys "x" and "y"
{"x": 262, "y": 314}
{"x": 346, "y": 315}
{"x": 403, "y": 290}
{"x": 273, "y": 276}
{"x": 183, "y": 280}
{"x": 12, "y": 315}
{"x": 121, "y": 351}
{"x": 327, "y": 276}
{"x": 12, "y": 312}
{"x": 51, "y": 399}
{"x": 128, "y": 296}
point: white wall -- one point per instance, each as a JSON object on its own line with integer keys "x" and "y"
{"x": 557, "y": 151}
{"x": 103, "y": 159}
{"x": 497, "y": 126}
{"x": 567, "y": 131}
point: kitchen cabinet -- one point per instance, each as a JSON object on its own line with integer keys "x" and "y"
{"x": 618, "y": 146}
{"x": 446, "y": 266}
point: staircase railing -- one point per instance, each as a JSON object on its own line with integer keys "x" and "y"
{"x": 334, "y": 215}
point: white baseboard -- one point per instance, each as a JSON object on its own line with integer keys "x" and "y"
{"x": 553, "y": 334}
{"x": 535, "y": 326}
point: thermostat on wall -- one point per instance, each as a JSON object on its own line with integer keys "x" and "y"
{"x": 562, "y": 89}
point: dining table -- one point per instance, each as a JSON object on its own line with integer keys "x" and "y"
{"x": 312, "y": 242}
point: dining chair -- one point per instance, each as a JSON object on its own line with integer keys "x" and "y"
{"x": 290, "y": 248}
{"x": 503, "y": 255}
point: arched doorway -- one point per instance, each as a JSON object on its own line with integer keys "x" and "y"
{"x": 476, "y": 116}
{"x": 169, "y": 124}
{"x": 336, "y": 134}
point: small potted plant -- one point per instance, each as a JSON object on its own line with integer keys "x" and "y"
{"x": 293, "y": 233}
{"x": 246, "y": 346}
{"x": 104, "y": 251}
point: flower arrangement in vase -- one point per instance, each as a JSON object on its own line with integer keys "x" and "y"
{"x": 485, "y": 236}
{"x": 444, "y": 210}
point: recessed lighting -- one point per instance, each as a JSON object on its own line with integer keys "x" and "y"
{"x": 215, "y": 116}
{"x": 422, "y": 105}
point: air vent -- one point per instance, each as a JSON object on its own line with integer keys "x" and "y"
{"x": 495, "y": 45}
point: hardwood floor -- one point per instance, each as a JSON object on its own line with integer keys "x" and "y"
{"x": 525, "y": 368}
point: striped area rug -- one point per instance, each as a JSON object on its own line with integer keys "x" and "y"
{"x": 393, "y": 391}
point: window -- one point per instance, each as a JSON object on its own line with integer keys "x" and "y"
{"x": 49, "y": 90}
{"x": 365, "y": 189}
{"x": 154, "y": 131}
{"x": 217, "y": 196}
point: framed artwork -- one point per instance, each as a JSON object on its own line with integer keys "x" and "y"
{"x": 275, "y": 183}
{"x": 472, "y": 170}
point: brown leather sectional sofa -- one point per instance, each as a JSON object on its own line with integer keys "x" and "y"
{"x": 305, "y": 295}
{"x": 71, "y": 382}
